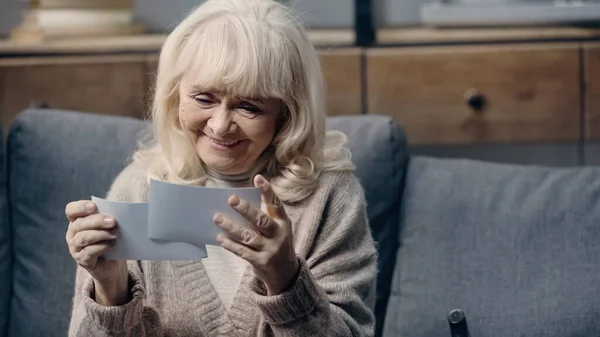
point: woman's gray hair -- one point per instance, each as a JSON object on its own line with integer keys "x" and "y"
{"x": 249, "y": 48}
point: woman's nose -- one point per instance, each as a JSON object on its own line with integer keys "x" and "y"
{"x": 220, "y": 122}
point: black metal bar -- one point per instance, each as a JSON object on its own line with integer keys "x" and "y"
{"x": 363, "y": 23}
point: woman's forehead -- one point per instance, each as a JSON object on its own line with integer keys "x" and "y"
{"x": 266, "y": 101}
{"x": 191, "y": 86}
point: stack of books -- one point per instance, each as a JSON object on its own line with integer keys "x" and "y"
{"x": 55, "y": 19}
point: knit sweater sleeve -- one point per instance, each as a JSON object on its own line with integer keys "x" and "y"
{"x": 91, "y": 319}
{"x": 334, "y": 294}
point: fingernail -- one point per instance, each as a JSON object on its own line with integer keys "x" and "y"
{"x": 234, "y": 201}
{"x": 109, "y": 221}
{"x": 220, "y": 238}
{"x": 260, "y": 180}
{"x": 89, "y": 207}
{"x": 218, "y": 219}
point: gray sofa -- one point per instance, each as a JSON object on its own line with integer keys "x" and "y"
{"x": 517, "y": 248}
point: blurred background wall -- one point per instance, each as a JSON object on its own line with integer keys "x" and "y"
{"x": 159, "y": 15}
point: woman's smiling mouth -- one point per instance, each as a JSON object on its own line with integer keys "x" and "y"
{"x": 221, "y": 144}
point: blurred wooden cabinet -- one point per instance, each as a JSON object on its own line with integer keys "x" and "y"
{"x": 342, "y": 71}
{"x": 102, "y": 84}
{"x": 451, "y": 90}
{"x": 591, "y": 73}
{"x": 478, "y": 94}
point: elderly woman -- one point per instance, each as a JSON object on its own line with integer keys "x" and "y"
{"x": 238, "y": 102}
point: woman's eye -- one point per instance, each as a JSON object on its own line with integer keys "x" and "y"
{"x": 202, "y": 99}
{"x": 251, "y": 109}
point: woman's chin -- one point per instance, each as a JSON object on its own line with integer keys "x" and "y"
{"x": 221, "y": 166}
{"x": 222, "y": 162}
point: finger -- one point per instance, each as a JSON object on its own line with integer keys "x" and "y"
{"x": 238, "y": 249}
{"x": 94, "y": 221}
{"x": 241, "y": 234}
{"x": 90, "y": 222}
{"x": 81, "y": 240}
{"x": 80, "y": 208}
{"x": 273, "y": 203}
{"x": 89, "y": 255}
{"x": 259, "y": 220}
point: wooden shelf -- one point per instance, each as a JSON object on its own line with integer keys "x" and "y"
{"x": 134, "y": 43}
{"x": 322, "y": 38}
{"x": 142, "y": 43}
{"x": 416, "y": 36}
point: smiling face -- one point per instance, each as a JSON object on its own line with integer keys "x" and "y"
{"x": 229, "y": 132}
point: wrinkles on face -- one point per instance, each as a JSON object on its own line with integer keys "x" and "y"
{"x": 229, "y": 132}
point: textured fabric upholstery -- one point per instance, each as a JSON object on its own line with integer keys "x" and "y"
{"x": 55, "y": 157}
{"x": 5, "y": 245}
{"x": 517, "y": 248}
{"x": 379, "y": 151}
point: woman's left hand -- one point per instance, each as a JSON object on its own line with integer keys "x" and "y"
{"x": 267, "y": 243}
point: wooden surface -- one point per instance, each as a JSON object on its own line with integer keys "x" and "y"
{"x": 342, "y": 73}
{"x": 140, "y": 43}
{"x": 532, "y": 92}
{"x": 111, "y": 86}
{"x": 320, "y": 37}
{"x": 591, "y": 66}
{"x": 143, "y": 43}
{"x": 69, "y": 60}
{"x": 488, "y": 35}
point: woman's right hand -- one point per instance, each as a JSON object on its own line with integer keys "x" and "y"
{"x": 89, "y": 236}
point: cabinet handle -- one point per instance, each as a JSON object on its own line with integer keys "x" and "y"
{"x": 475, "y": 100}
{"x": 40, "y": 104}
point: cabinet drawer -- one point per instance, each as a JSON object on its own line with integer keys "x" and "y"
{"x": 342, "y": 73}
{"x": 478, "y": 94}
{"x": 109, "y": 84}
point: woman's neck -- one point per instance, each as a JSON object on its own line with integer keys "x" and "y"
{"x": 229, "y": 180}
{"x": 245, "y": 179}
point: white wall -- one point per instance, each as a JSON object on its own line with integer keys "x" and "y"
{"x": 326, "y": 13}
{"x": 160, "y": 15}
{"x": 397, "y": 13}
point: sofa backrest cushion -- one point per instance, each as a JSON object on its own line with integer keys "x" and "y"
{"x": 379, "y": 151}
{"x": 55, "y": 157}
{"x": 517, "y": 248}
{"x": 5, "y": 247}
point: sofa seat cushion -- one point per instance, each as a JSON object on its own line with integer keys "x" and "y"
{"x": 517, "y": 248}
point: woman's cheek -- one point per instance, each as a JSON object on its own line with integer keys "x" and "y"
{"x": 258, "y": 128}
{"x": 190, "y": 115}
